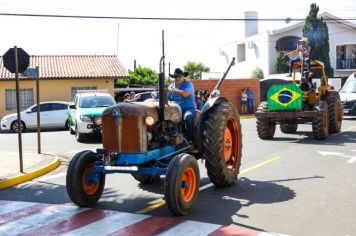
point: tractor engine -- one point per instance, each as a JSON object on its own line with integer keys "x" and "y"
{"x": 135, "y": 127}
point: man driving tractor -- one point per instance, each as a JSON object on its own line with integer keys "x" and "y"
{"x": 182, "y": 93}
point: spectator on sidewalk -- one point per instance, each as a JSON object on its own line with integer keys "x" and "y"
{"x": 243, "y": 102}
{"x": 250, "y": 100}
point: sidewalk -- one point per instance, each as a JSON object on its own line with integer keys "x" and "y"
{"x": 34, "y": 165}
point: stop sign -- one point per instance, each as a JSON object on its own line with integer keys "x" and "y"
{"x": 9, "y": 60}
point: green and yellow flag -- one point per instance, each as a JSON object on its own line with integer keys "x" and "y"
{"x": 284, "y": 97}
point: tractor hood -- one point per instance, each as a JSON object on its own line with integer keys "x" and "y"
{"x": 172, "y": 111}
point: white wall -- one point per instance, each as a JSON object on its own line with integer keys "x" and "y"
{"x": 340, "y": 34}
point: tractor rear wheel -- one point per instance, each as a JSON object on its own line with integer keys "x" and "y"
{"x": 265, "y": 128}
{"x": 222, "y": 144}
{"x": 335, "y": 111}
{"x": 146, "y": 179}
{"x": 289, "y": 128}
{"x": 84, "y": 186}
{"x": 182, "y": 184}
{"x": 320, "y": 123}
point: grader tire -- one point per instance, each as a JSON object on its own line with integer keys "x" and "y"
{"x": 335, "y": 111}
{"x": 146, "y": 179}
{"x": 222, "y": 144}
{"x": 81, "y": 187}
{"x": 182, "y": 184}
{"x": 265, "y": 128}
{"x": 320, "y": 123}
{"x": 289, "y": 128}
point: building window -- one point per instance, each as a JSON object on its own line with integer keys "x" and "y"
{"x": 346, "y": 57}
{"x": 26, "y": 98}
{"x": 241, "y": 52}
{"x": 74, "y": 90}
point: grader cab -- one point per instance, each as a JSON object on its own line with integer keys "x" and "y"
{"x": 297, "y": 103}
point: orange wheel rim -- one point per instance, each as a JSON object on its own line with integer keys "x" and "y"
{"x": 189, "y": 184}
{"x": 231, "y": 144}
{"x": 89, "y": 186}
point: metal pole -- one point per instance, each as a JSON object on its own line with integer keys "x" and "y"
{"x": 38, "y": 111}
{"x": 18, "y": 108}
{"x": 117, "y": 39}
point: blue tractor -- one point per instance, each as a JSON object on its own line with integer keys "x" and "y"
{"x": 147, "y": 140}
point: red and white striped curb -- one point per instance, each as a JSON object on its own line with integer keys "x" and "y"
{"x": 26, "y": 218}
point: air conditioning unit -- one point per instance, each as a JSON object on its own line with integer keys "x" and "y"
{"x": 251, "y": 44}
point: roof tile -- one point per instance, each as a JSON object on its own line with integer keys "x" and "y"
{"x": 72, "y": 66}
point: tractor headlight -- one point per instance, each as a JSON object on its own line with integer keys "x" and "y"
{"x": 149, "y": 120}
{"x": 85, "y": 118}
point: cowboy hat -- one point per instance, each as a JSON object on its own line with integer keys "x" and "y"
{"x": 304, "y": 39}
{"x": 177, "y": 72}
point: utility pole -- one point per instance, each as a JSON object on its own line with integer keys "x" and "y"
{"x": 117, "y": 39}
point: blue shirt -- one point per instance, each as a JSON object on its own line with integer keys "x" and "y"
{"x": 184, "y": 103}
{"x": 250, "y": 94}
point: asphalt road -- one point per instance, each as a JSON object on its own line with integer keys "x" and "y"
{"x": 291, "y": 185}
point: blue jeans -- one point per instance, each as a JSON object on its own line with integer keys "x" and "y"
{"x": 188, "y": 116}
{"x": 251, "y": 105}
{"x": 295, "y": 59}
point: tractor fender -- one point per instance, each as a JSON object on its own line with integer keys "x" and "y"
{"x": 210, "y": 103}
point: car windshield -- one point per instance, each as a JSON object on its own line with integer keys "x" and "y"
{"x": 95, "y": 101}
{"x": 349, "y": 87}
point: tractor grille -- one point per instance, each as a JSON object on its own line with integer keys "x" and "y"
{"x": 130, "y": 134}
{"x": 110, "y": 133}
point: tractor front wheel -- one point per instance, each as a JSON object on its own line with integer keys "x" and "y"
{"x": 84, "y": 186}
{"x": 182, "y": 184}
{"x": 320, "y": 123}
{"x": 289, "y": 128}
{"x": 222, "y": 144}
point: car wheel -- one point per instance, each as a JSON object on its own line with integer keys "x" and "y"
{"x": 14, "y": 126}
{"x": 79, "y": 136}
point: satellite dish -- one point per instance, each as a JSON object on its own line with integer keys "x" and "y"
{"x": 287, "y": 20}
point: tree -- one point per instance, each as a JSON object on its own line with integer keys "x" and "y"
{"x": 281, "y": 65}
{"x": 144, "y": 76}
{"x": 317, "y": 32}
{"x": 257, "y": 72}
{"x": 195, "y": 69}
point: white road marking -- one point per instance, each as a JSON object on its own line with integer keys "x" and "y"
{"x": 47, "y": 216}
{"x": 49, "y": 177}
{"x": 340, "y": 154}
{"x": 191, "y": 228}
{"x": 108, "y": 225}
{"x": 14, "y": 206}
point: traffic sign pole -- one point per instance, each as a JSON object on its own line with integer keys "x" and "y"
{"x": 18, "y": 109}
{"x": 38, "y": 111}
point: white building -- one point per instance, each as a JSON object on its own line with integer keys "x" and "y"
{"x": 262, "y": 49}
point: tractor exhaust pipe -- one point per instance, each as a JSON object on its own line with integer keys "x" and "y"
{"x": 162, "y": 94}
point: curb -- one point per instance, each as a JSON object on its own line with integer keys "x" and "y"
{"x": 31, "y": 175}
{"x": 247, "y": 117}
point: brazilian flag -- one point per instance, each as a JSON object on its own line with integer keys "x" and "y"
{"x": 284, "y": 97}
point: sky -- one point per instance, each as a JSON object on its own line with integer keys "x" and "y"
{"x": 140, "y": 40}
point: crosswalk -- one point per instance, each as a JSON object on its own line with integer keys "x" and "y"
{"x": 26, "y": 218}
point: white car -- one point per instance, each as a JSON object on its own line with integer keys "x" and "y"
{"x": 85, "y": 113}
{"x": 52, "y": 115}
{"x": 348, "y": 95}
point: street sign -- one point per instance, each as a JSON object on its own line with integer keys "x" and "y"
{"x": 9, "y": 60}
{"x": 32, "y": 73}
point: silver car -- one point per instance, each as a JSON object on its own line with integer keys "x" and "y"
{"x": 52, "y": 115}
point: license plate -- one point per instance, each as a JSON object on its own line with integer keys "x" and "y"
{"x": 346, "y": 111}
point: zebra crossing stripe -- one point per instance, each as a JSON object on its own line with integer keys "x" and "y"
{"x": 24, "y": 218}
{"x": 48, "y": 215}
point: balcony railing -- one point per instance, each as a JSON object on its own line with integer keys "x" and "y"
{"x": 346, "y": 64}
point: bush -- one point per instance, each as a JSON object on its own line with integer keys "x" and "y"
{"x": 257, "y": 73}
